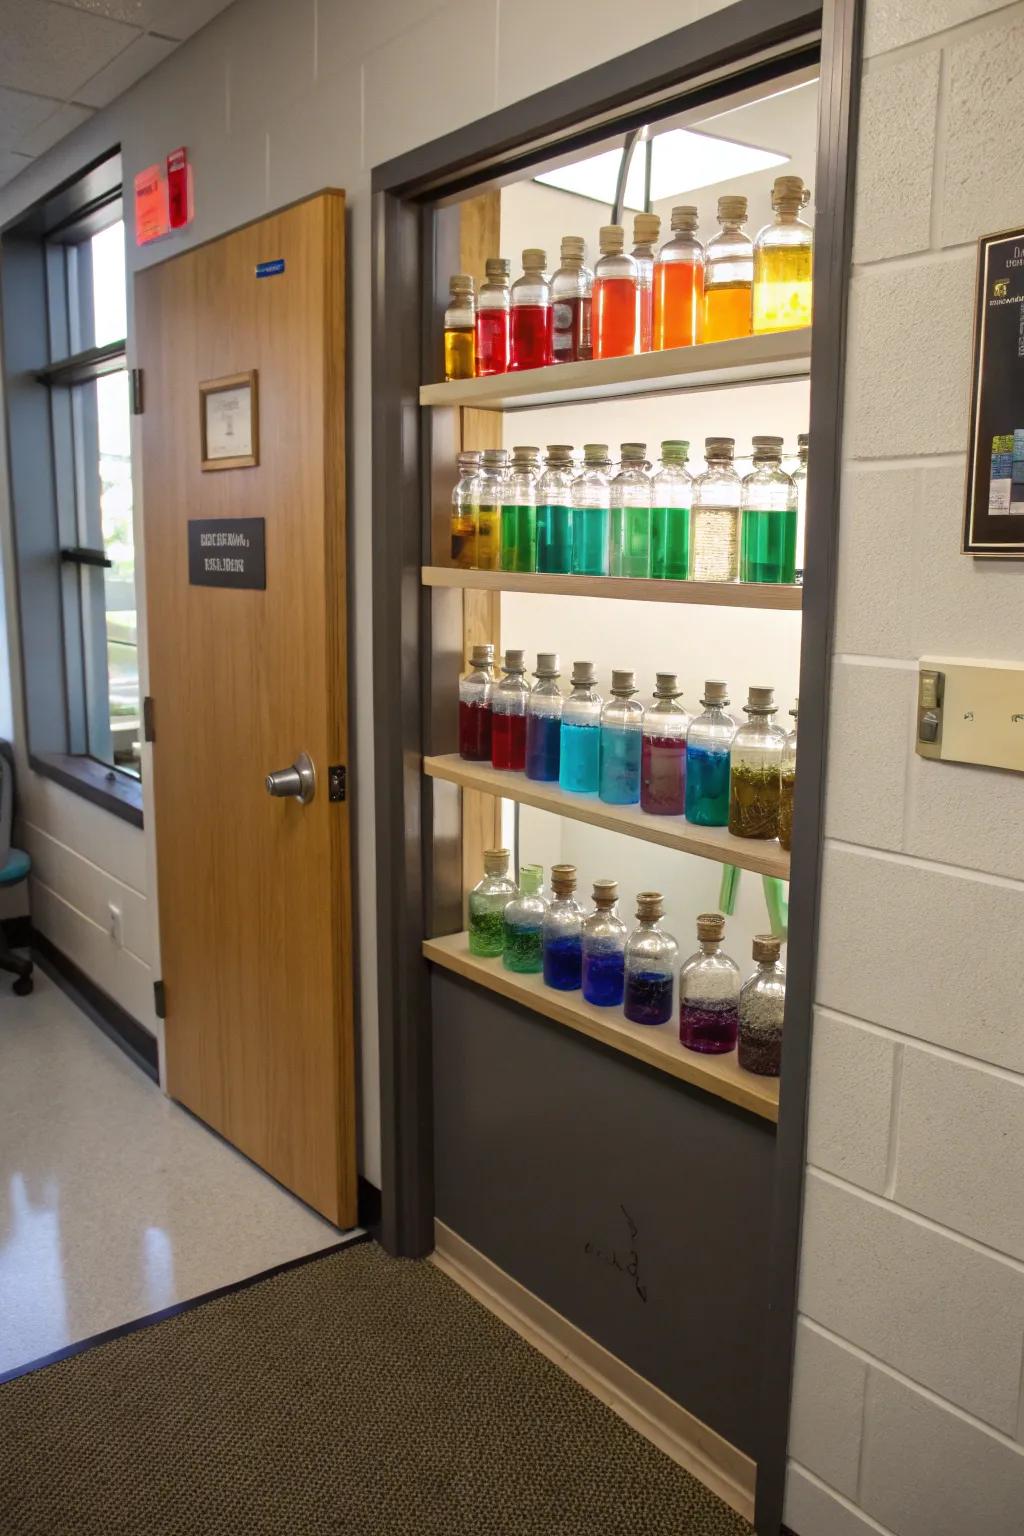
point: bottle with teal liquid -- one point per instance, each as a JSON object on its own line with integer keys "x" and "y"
{"x": 580, "y": 746}
{"x": 591, "y": 500}
{"x": 622, "y": 721}
{"x": 554, "y": 511}
{"x": 519, "y": 511}
{"x": 708, "y": 744}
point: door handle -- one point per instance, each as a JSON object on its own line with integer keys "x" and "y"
{"x": 295, "y": 783}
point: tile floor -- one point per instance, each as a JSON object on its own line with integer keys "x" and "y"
{"x": 114, "y": 1202}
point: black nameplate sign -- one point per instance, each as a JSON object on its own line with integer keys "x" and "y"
{"x": 227, "y": 552}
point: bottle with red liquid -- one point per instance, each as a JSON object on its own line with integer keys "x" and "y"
{"x": 475, "y": 706}
{"x": 571, "y": 287}
{"x": 615, "y": 297}
{"x": 679, "y": 284}
{"x": 663, "y": 751}
{"x": 492, "y": 318}
{"x": 709, "y": 990}
{"x": 530, "y": 332}
{"x": 646, "y": 229}
{"x": 508, "y": 715}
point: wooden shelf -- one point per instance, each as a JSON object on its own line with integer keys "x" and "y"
{"x": 659, "y": 1047}
{"x": 764, "y": 858}
{"x": 714, "y": 365}
{"x": 714, "y": 594}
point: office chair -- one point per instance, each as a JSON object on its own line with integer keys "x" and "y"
{"x": 14, "y": 867}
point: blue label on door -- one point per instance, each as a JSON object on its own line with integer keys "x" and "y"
{"x": 270, "y": 268}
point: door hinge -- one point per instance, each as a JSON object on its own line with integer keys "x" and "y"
{"x": 148, "y": 725}
{"x": 135, "y": 374}
{"x": 337, "y": 781}
{"x": 159, "y": 999}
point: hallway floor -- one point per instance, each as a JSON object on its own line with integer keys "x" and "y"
{"x": 114, "y": 1202}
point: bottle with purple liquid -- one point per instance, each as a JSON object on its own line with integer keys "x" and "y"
{"x": 604, "y": 943}
{"x": 663, "y": 755}
{"x": 544, "y": 721}
{"x": 562, "y": 932}
{"x": 650, "y": 964}
{"x": 709, "y": 985}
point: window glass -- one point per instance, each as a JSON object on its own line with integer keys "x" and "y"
{"x": 113, "y": 415}
{"x": 109, "y": 303}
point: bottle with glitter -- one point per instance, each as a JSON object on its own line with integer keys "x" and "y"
{"x": 621, "y": 743}
{"x": 492, "y": 318}
{"x": 475, "y": 706}
{"x": 762, "y": 1006}
{"x": 787, "y": 782}
{"x": 554, "y": 510}
{"x": 650, "y": 963}
{"x": 579, "y": 767}
{"x": 604, "y": 944}
{"x": 508, "y": 715}
{"x": 714, "y": 522}
{"x": 707, "y": 759}
{"x": 679, "y": 283}
{"x": 489, "y": 491}
{"x": 487, "y": 903}
{"x": 562, "y": 932}
{"x": 591, "y": 500}
{"x": 571, "y": 288}
{"x": 460, "y": 329}
{"x": 530, "y": 321}
{"x": 519, "y": 511}
{"x": 663, "y": 754}
{"x": 709, "y": 985}
{"x": 544, "y": 721}
{"x": 615, "y": 296}
{"x": 464, "y": 513}
{"x": 755, "y": 766}
{"x": 671, "y": 503}
{"x": 523, "y": 920}
{"x": 646, "y": 229}
{"x": 629, "y": 534}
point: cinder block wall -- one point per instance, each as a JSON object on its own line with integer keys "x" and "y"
{"x": 908, "y": 1412}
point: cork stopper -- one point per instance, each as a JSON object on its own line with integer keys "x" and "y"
{"x": 558, "y": 454}
{"x": 684, "y": 217}
{"x": 732, "y": 210}
{"x": 623, "y": 684}
{"x": 583, "y": 674}
{"x": 563, "y": 879}
{"x": 525, "y": 455}
{"x": 650, "y": 905}
{"x": 766, "y": 448}
{"x": 514, "y": 662}
{"x": 611, "y": 238}
{"x": 547, "y": 664}
{"x": 646, "y": 228}
{"x": 675, "y": 450}
{"x": 715, "y": 692}
{"x": 461, "y": 284}
{"x": 469, "y": 458}
{"x": 766, "y": 947}
{"x": 719, "y": 447}
{"x": 760, "y": 701}
{"x": 531, "y": 878}
{"x": 482, "y": 656}
{"x": 666, "y": 685}
{"x": 789, "y": 193}
{"x": 605, "y": 894}
{"x": 595, "y": 453}
{"x": 633, "y": 453}
{"x": 711, "y": 927}
{"x": 795, "y": 709}
{"x": 495, "y": 458}
{"x": 573, "y": 250}
{"x": 803, "y": 438}
{"x": 534, "y": 259}
{"x": 498, "y": 269}
{"x": 496, "y": 861}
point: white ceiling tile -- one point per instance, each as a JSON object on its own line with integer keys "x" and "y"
{"x": 50, "y": 49}
{"x": 138, "y": 13}
{"x": 136, "y": 60}
{"x": 11, "y": 166}
{"x": 180, "y": 18}
{"x": 56, "y": 127}
{"x": 20, "y": 114}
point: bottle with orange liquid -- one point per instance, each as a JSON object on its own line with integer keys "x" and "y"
{"x": 615, "y": 297}
{"x": 679, "y": 284}
{"x": 728, "y": 275}
{"x": 646, "y": 229}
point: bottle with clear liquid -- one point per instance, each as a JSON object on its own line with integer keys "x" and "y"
{"x": 671, "y": 504}
{"x": 460, "y": 329}
{"x": 708, "y": 743}
{"x": 530, "y": 321}
{"x": 571, "y": 299}
{"x": 650, "y": 964}
{"x": 604, "y": 946}
{"x": 490, "y": 489}
{"x": 709, "y": 986}
{"x": 756, "y": 762}
{"x": 768, "y": 517}
{"x": 799, "y": 477}
{"x": 508, "y": 715}
{"x": 562, "y": 932}
{"x": 629, "y": 537}
{"x": 762, "y": 1007}
{"x": 783, "y": 258}
{"x": 464, "y": 513}
{"x": 621, "y": 743}
{"x": 523, "y": 920}
{"x": 579, "y": 764}
{"x": 475, "y": 706}
{"x": 615, "y": 296}
{"x": 487, "y": 903}
{"x": 519, "y": 511}
{"x": 714, "y": 524}
{"x": 679, "y": 284}
{"x": 492, "y": 318}
{"x": 544, "y": 721}
{"x": 663, "y": 754}
{"x": 591, "y": 500}
{"x": 554, "y": 510}
{"x": 646, "y": 229}
{"x": 728, "y": 275}
{"x": 787, "y": 782}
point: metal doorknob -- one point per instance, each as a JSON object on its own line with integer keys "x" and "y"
{"x": 295, "y": 783}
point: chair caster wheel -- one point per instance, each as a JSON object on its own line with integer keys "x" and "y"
{"x": 23, "y": 986}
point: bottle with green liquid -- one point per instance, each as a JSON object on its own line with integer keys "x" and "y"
{"x": 519, "y": 511}
{"x": 554, "y": 511}
{"x": 768, "y": 517}
{"x": 671, "y": 502}
{"x": 523, "y": 922}
{"x": 629, "y": 549}
{"x": 487, "y": 903}
{"x": 591, "y": 502}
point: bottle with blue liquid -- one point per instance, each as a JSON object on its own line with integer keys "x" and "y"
{"x": 650, "y": 960}
{"x": 579, "y": 765}
{"x": 604, "y": 944}
{"x": 544, "y": 721}
{"x": 563, "y": 932}
{"x": 622, "y": 720}
{"x": 708, "y": 744}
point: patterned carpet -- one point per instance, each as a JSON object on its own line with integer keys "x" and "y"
{"x": 356, "y": 1394}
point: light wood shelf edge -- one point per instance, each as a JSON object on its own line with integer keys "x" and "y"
{"x": 658, "y": 1047}
{"x": 715, "y": 594}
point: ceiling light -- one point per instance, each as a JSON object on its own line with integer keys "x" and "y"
{"x": 681, "y": 161}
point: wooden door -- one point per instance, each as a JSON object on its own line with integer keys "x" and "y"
{"x": 255, "y": 914}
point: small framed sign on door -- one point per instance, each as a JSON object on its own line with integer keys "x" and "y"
{"x": 229, "y": 422}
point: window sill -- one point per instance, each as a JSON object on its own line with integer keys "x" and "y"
{"x": 117, "y": 792}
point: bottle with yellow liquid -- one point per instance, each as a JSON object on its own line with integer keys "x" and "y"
{"x": 728, "y": 274}
{"x": 490, "y": 485}
{"x": 782, "y": 262}
{"x": 460, "y": 328}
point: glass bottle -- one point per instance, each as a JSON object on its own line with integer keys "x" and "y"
{"x": 562, "y": 932}
{"x": 650, "y": 964}
{"x": 671, "y": 502}
{"x": 708, "y": 741}
{"x": 487, "y": 903}
{"x": 490, "y": 489}
{"x": 519, "y": 511}
{"x": 508, "y": 715}
{"x": 475, "y": 706}
{"x": 591, "y": 499}
{"x": 798, "y": 475}
{"x": 554, "y": 510}
{"x": 629, "y": 535}
{"x": 756, "y": 764}
{"x": 544, "y": 721}
{"x": 783, "y": 259}
{"x": 646, "y": 230}
{"x": 714, "y": 524}
{"x": 621, "y": 743}
{"x": 530, "y": 321}
{"x": 728, "y": 275}
{"x": 768, "y": 517}
{"x": 492, "y": 318}
{"x": 460, "y": 329}
{"x": 464, "y": 514}
{"x": 615, "y": 297}
{"x": 663, "y": 755}
{"x": 679, "y": 284}
{"x": 787, "y": 782}
{"x": 709, "y": 985}
{"x": 523, "y": 920}
{"x": 579, "y": 766}
{"x": 571, "y": 299}
{"x": 762, "y": 1006}
{"x": 604, "y": 944}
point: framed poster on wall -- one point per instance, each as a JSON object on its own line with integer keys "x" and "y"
{"x": 994, "y": 514}
{"x": 229, "y": 423}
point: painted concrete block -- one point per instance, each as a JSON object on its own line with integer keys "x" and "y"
{"x": 851, "y": 1101}
{"x": 896, "y": 148}
{"x": 892, "y": 23}
{"x": 867, "y": 807}
{"x": 877, "y": 523}
{"x": 982, "y": 190}
{"x": 828, "y": 1406}
{"x": 966, "y": 815}
{"x": 812, "y": 1510}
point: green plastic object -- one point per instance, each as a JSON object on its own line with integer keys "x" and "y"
{"x": 727, "y": 891}
{"x": 777, "y": 901}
